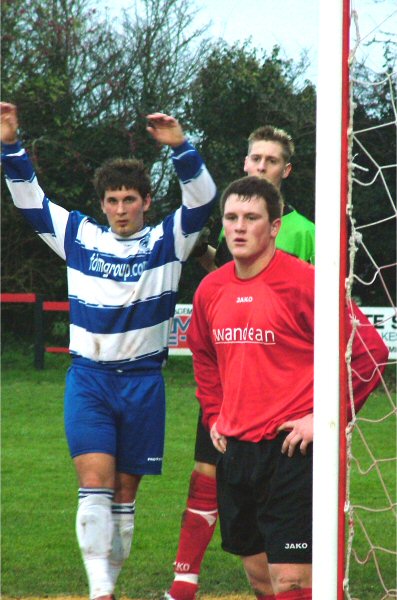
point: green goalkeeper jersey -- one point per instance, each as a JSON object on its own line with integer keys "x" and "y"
{"x": 296, "y": 237}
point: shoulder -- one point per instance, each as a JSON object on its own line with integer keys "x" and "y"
{"x": 221, "y": 274}
{"x": 84, "y": 227}
{"x": 77, "y": 217}
{"x": 292, "y": 261}
{"x": 293, "y": 283}
{"x": 295, "y": 268}
{"x": 216, "y": 279}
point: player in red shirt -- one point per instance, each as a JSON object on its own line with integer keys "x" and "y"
{"x": 269, "y": 154}
{"x": 252, "y": 339}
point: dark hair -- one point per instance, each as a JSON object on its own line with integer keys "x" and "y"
{"x": 116, "y": 173}
{"x": 251, "y": 187}
{"x": 273, "y": 134}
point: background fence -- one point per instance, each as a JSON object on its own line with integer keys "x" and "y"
{"x": 383, "y": 318}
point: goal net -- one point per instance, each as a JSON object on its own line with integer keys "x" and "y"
{"x": 370, "y": 504}
{"x": 354, "y": 532}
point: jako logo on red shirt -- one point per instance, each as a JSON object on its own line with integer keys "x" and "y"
{"x": 241, "y": 299}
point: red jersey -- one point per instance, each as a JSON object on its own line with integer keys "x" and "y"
{"x": 252, "y": 342}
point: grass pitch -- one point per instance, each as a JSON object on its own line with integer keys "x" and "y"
{"x": 40, "y": 556}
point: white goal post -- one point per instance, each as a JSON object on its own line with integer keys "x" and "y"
{"x": 353, "y": 544}
{"x": 331, "y": 127}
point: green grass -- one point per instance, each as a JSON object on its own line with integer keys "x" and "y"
{"x": 374, "y": 488}
{"x": 39, "y": 493}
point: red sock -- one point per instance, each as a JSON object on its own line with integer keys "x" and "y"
{"x": 305, "y": 594}
{"x": 196, "y": 533}
{"x": 202, "y": 492}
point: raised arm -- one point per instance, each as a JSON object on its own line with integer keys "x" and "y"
{"x": 46, "y": 218}
{"x": 197, "y": 186}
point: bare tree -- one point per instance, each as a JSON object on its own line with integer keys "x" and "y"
{"x": 83, "y": 85}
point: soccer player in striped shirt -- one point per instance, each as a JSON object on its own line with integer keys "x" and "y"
{"x": 122, "y": 287}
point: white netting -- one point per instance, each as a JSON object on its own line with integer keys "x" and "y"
{"x": 370, "y": 566}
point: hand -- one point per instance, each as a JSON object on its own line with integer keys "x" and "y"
{"x": 9, "y": 123}
{"x": 165, "y": 130}
{"x": 201, "y": 246}
{"x": 219, "y": 441}
{"x": 301, "y": 431}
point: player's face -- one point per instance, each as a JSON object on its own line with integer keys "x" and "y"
{"x": 249, "y": 233}
{"x": 265, "y": 160}
{"x": 125, "y": 210}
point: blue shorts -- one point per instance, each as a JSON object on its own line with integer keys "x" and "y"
{"x": 121, "y": 413}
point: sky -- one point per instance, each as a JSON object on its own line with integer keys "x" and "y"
{"x": 291, "y": 24}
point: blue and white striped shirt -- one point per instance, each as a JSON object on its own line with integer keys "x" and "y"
{"x": 122, "y": 291}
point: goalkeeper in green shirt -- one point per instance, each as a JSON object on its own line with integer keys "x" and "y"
{"x": 269, "y": 154}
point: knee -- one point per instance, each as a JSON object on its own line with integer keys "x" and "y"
{"x": 286, "y": 585}
{"x": 261, "y": 586}
{"x": 256, "y": 569}
{"x": 205, "y": 469}
{"x": 291, "y": 578}
{"x": 126, "y": 487}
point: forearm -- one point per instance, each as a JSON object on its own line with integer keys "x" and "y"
{"x": 198, "y": 197}
{"x": 205, "y": 363}
{"x": 198, "y": 188}
{"x": 21, "y": 178}
{"x": 46, "y": 218}
{"x": 210, "y": 407}
{"x": 207, "y": 260}
{"x": 209, "y": 388}
{"x": 16, "y": 163}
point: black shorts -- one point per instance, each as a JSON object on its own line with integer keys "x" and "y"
{"x": 265, "y": 500}
{"x": 204, "y": 450}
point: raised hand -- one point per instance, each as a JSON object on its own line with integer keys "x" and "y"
{"x": 165, "y": 129}
{"x": 9, "y": 123}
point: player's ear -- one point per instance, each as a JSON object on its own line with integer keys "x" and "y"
{"x": 245, "y": 164}
{"x": 275, "y": 228}
{"x": 147, "y": 202}
{"x": 287, "y": 170}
